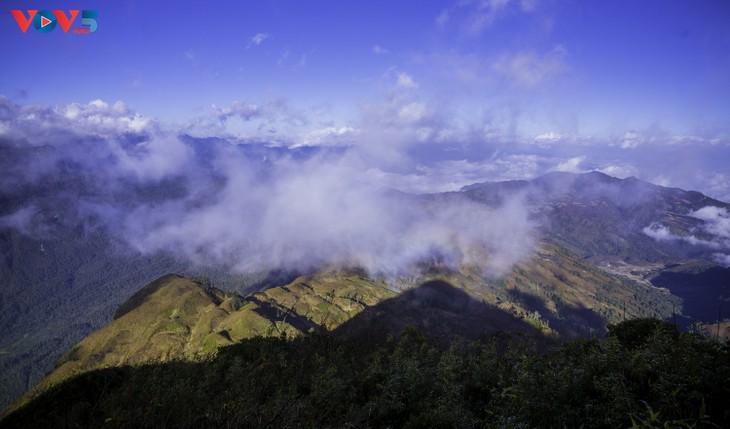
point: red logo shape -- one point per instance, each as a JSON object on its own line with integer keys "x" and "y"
{"x": 21, "y": 20}
{"x": 45, "y": 21}
{"x": 64, "y": 20}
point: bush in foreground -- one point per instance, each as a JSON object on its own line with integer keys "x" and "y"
{"x": 644, "y": 374}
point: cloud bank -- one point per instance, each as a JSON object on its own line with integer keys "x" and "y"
{"x": 713, "y": 232}
{"x": 301, "y": 214}
{"x": 288, "y": 189}
{"x": 251, "y": 207}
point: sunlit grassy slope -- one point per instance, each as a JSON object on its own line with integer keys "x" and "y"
{"x": 555, "y": 293}
{"x": 61, "y": 288}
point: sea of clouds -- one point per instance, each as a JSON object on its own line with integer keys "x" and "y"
{"x": 247, "y": 205}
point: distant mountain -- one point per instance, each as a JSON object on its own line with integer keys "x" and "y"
{"x": 597, "y": 263}
{"x": 555, "y": 294}
{"x": 646, "y": 232}
{"x": 63, "y": 271}
{"x": 603, "y": 218}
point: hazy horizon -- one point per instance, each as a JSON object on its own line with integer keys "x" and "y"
{"x": 339, "y": 103}
{"x": 435, "y": 96}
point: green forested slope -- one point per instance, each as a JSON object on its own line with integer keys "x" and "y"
{"x": 57, "y": 289}
{"x": 554, "y": 294}
{"x": 645, "y": 373}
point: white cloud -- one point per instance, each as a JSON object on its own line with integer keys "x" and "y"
{"x": 714, "y": 231}
{"x": 327, "y": 136}
{"x": 26, "y": 220}
{"x": 463, "y": 69}
{"x": 153, "y": 159}
{"x": 661, "y": 180}
{"x": 401, "y": 116}
{"x": 283, "y": 58}
{"x": 484, "y": 14}
{"x": 413, "y": 112}
{"x": 660, "y": 232}
{"x": 406, "y": 81}
{"x": 273, "y": 121}
{"x": 716, "y": 221}
{"x": 572, "y": 165}
{"x": 105, "y": 141}
{"x": 528, "y": 70}
{"x": 403, "y": 140}
{"x": 694, "y": 140}
{"x": 322, "y": 211}
{"x": 379, "y": 50}
{"x": 245, "y": 111}
{"x": 722, "y": 259}
{"x": 257, "y": 39}
{"x": 546, "y": 140}
{"x": 96, "y": 118}
{"x": 549, "y": 137}
{"x": 258, "y": 207}
{"x": 452, "y": 175}
{"x": 528, "y": 5}
{"x": 632, "y": 140}
{"x": 620, "y": 171}
{"x": 116, "y": 117}
{"x": 679, "y": 139}
{"x": 715, "y": 183}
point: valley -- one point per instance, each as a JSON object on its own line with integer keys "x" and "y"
{"x": 592, "y": 267}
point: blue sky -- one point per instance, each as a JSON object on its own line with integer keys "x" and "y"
{"x": 469, "y": 89}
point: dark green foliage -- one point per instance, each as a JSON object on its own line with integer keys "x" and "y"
{"x": 634, "y": 333}
{"x": 55, "y": 291}
{"x": 325, "y": 380}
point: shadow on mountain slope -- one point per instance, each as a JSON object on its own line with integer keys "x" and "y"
{"x": 438, "y": 310}
{"x": 704, "y": 290}
{"x": 271, "y": 279}
{"x": 279, "y": 315}
{"x": 570, "y": 321}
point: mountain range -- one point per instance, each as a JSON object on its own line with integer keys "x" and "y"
{"x": 607, "y": 250}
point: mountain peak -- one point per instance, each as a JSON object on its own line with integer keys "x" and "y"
{"x": 604, "y": 218}
{"x": 143, "y": 294}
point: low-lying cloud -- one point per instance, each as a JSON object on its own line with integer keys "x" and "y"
{"x": 661, "y": 232}
{"x": 320, "y": 212}
{"x": 716, "y": 222}
{"x": 722, "y": 259}
{"x": 713, "y": 232}
{"x": 250, "y": 207}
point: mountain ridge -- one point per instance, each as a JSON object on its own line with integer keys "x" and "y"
{"x": 585, "y": 225}
{"x": 554, "y": 295}
{"x": 603, "y": 218}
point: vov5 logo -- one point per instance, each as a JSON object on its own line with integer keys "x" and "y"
{"x": 45, "y": 20}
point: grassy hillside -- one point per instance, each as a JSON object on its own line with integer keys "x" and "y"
{"x": 53, "y": 292}
{"x": 63, "y": 283}
{"x": 554, "y": 294}
{"x": 178, "y": 318}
